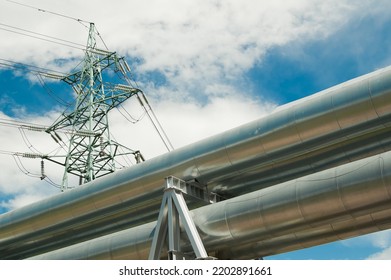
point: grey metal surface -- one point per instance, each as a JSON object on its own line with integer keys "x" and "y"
{"x": 173, "y": 213}
{"x": 338, "y": 125}
{"x": 337, "y": 203}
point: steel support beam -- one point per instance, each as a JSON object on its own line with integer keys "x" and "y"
{"x": 174, "y": 210}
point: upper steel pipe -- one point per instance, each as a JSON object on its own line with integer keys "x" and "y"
{"x": 335, "y": 126}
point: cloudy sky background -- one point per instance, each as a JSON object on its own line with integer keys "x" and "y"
{"x": 206, "y": 66}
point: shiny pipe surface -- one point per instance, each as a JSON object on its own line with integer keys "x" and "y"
{"x": 335, "y": 231}
{"x": 348, "y": 200}
{"x": 338, "y": 125}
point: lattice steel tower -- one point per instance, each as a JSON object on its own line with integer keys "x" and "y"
{"x": 91, "y": 151}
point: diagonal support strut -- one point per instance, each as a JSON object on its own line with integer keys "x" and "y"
{"x": 173, "y": 212}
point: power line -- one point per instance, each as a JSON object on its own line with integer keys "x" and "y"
{"x": 158, "y": 127}
{"x": 9, "y": 153}
{"x": 43, "y": 39}
{"x": 31, "y": 147}
{"x": 49, "y": 12}
{"x": 27, "y": 141}
{"x": 20, "y": 124}
{"x": 66, "y": 44}
{"x": 42, "y": 128}
{"x": 32, "y": 68}
{"x": 25, "y": 171}
{"x": 148, "y": 110}
{"x": 132, "y": 119}
{"x": 51, "y": 93}
{"x": 50, "y": 181}
{"x": 17, "y": 158}
{"x": 21, "y": 167}
{"x": 40, "y": 34}
{"x": 98, "y": 33}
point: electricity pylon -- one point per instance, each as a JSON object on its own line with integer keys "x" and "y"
{"x": 91, "y": 151}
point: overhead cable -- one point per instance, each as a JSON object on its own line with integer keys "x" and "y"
{"x": 49, "y": 12}
{"x": 40, "y": 34}
{"x": 43, "y": 39}
{"x": 158, "y": 127}
{"x": 50, "y": 91}
{"x": 148, "y": 110}
{"x": 32, "y": 68}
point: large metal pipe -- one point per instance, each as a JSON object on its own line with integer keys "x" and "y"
{"x": 119, "y": 246}
{"x": 336, "y": 231}
{"x": 345, "y": 201}
{"x": 341, "y": 124}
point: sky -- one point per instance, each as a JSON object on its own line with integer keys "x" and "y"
{"x": 206, "y": 66}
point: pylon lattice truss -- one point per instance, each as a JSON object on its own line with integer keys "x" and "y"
{"x": 91, "y": 150}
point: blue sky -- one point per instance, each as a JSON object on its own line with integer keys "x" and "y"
{"x": 197, "y": 62}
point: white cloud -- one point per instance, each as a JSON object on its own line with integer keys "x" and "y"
{"x": 381, "y": 239}
{"x": 383, "y": 255}
{"x": 24, "y": 199}
{"x": 192, "y": 44}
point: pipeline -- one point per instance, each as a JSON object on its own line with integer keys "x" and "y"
{"x": 333, "y": 127}
{"x": 348, "y": 200}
